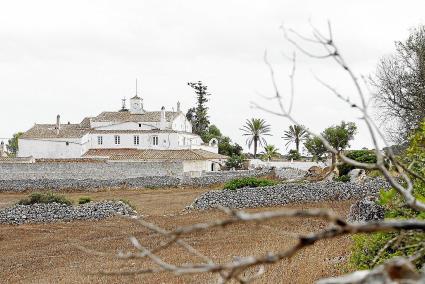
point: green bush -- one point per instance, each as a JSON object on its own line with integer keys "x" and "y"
{"x": 40, "y": 197}
{"x": 373, "y": 249}
{"x": 293, "y": 155}
{"x": 84, "y": 200}
{"x": 344, "y": 178}
{"x": 235, "y": 161}
{"x": 248, "y": 182}
{"x": 363, "y": 156}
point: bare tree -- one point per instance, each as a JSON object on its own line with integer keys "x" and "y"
{"x": 337, "y": 226}
{"x": 400, "y": 87}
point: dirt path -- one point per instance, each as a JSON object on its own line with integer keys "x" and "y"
{"x": 47, "y": 253}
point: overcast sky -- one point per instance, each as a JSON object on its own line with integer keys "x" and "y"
{"x": 79, "y": 58}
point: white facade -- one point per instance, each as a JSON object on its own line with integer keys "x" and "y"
{"x": 125, "y": 129}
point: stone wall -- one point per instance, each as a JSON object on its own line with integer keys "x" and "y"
{"x": 288, "y": 193}
{"x": 100, "y": 170}
{"x": 67, "y": 182}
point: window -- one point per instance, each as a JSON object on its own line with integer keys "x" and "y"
{"x": 117, "y": 140}
{"x": 140, "y": 125}
{"x": 136, "y": 140}
{"x": 155, "y": 140}
{"x": 67, "y": 143}
{"x": 99, "y": 140}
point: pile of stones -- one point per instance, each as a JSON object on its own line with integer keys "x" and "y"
{"x": 290, "y": 174}
{"x": 366, "y": 209}
{"x": 288, "y": 193}
{"x": 54, "y": 212}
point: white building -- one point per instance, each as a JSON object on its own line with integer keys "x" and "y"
{"x": 125, "y": 135}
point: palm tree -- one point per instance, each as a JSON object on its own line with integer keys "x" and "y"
{"x": 295, "y": 134}
{"x": 270, "y": 151}
{"x": 256, "y": 128}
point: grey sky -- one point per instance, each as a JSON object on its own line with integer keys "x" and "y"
{"x": 78, "y": 58}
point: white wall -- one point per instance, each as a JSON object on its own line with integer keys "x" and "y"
{"x": 196, "y": 166}
{"x": 130, "y": 126}
{"x": 51, "y": 148}
{"x": 180, "y": 123}
{"x": 167, "y": 141}
{"x": 296, "y": 165}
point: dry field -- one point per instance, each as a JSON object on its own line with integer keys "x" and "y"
{"x": 47, "y": 253}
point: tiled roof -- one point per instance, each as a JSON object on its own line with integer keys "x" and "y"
{"x": 46, "y": 131}
{"x": 124, "y": 116}
{"x": 150, "y": 154}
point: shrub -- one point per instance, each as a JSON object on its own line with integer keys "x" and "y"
{"x": 248, "y": 182}
{"x": 235, "y": 161}
{"x": 363, "y": 156}
{"x": 39, "y": 197}
{"x": 343, "y": 178}
{"x": 293, "y": 155}
{"x": 84, "y": 200}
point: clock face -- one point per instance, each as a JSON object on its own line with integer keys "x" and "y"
{"x": 136, "y": 105}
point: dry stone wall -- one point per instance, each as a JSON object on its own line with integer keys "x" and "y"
{"x": 101, "y": 170}
{"x": 288, "y": 193}
{"x": 97, "y": 176}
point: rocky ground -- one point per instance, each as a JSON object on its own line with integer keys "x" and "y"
{"x": 54, "y": 212}
{"x": 286, "y": 193}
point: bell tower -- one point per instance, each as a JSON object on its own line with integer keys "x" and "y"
{"x": 136, "y": 104}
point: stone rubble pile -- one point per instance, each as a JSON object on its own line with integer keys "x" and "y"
{"x": 290, "y": 173}
{"x": 54, "y": 212}
{"x": 366, "y": 210}
{"x": 288, "y": 193}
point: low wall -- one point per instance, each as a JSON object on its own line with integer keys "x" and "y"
{"x": 93, "y": 184}
{"x": 295, "y": 164}
{"x": 101, "y": 170}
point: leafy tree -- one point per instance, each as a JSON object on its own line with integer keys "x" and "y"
{"x": 295, "y": 134}
{"x": 198, "y": 115}
{"x": 339, "y": 136}
{"x": 363, "y": 156}
{"x": 256, "y": 129}
{"x": 12, "y": 145}
{"x": 235, "y": 161}
{"x": 270, "y": 151}
{"x": 225, "y": 145}
{"x": 293, "y": 155}
{"x": 316, "y": 148}
{"x": 400, "y": 86}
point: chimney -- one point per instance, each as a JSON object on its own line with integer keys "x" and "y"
{"x": 178, "y": 107}
{"x": 58, "y": 124}
{"x": 162, "y": 119}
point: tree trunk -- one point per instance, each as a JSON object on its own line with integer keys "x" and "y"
{"x": 333, "y": 162}
{"x": 255, "y": 147}
{"x": 297, "y": 144}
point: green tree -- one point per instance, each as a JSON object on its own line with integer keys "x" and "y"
{"x": 400, "y": 87}
{"x": 293, "y": 155}
{"x": 198, "y": 115}
{"x": 316, "y": 148}
{"x": 270, "y": 151}
{"x": 225, "y": 145}
{"x": 256, "y": 129}
{"x": 12, "y": 145}
{"x": 295, "y": 134}
{"x": 339, "y": 136}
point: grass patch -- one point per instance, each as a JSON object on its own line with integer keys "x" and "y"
{"x": 84, "y": 200}
{"x": 248, "y": 182}
{"x": 126, "y": 201}
{"x": 41, "y": 197}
